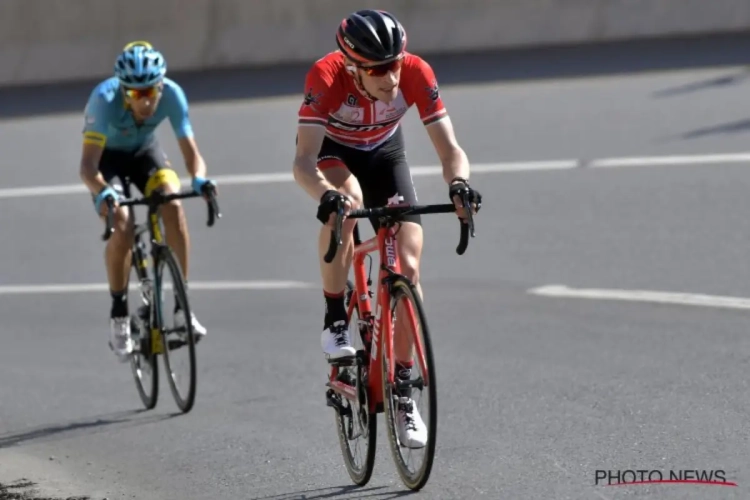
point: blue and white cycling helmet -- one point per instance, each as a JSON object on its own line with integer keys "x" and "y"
{"x": 140, "y": 65}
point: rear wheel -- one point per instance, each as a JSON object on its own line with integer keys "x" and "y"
{"x": 408, "y": 318}
{"x": 355, "y": 425}
{"x": 178, "y": 340}
{"x": 143, "y": 363}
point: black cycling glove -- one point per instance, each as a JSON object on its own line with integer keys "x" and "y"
{"x": 329, "y": 203}
{"x": 460, "y": 186}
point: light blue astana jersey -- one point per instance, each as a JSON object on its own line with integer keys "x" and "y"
{"x": 109, "y": 123}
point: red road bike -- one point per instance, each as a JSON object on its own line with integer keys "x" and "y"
{"x": 362, "y": 386}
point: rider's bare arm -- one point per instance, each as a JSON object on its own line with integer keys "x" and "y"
{"x": 306, "y": 172}
{"x": 94, "y": 140}
{"x": 194, "y": 163}
{"x": 89, "y": 168}
{"x": 452, "y": 156}
{"x": 421, "y": 85}
{"x": 179, "y": 118}
{"x": 313, "y": 115}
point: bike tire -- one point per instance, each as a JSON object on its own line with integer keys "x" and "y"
{"x": 148, "y": 398}
{"x": 165, "y": 259}
{"x": 402, "y": 287}
{"x": 359, "y": 475}
{"x": 144, "y": 354}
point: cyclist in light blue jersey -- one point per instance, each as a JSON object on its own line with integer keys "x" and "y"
{"x": 120, "y": 119}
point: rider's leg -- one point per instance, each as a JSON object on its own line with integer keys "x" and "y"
{"x": 389, "y": 181}
{"x": 117, "y": 259}
{"x": 156, "y": 174}
{"x": 412, "y": 430}
{"x": 117, "y": 256}
{"x": 335, "y": 339}
{"x": 410, "y": 240}
{"x": 172, "y": 215}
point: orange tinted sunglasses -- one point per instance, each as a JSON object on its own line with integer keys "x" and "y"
{"x": 382, "y": 69}
{"x": 149, "y": 92}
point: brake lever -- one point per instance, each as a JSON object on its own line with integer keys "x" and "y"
{"x": 213, "y": 206}
{"x": 467, "y": 226}
{"x": 109, "y": 228}
{"x": 335, "y": 233}
{"x": 469, "y": 216}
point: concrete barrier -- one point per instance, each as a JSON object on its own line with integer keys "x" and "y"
{"x": 56, "y": 40}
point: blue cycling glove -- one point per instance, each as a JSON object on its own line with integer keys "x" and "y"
{"x": 199, "y": 183}
{"x": 104, "y": 193}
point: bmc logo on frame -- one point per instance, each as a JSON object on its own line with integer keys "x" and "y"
{"x": 716, "y": 477}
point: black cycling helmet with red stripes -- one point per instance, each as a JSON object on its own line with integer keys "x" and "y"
{"x": 371, "y": 36}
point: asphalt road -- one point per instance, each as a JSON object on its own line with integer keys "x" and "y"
{"x": 535, "y": 393}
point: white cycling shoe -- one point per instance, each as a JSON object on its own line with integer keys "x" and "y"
{"x": 179, "y": 322}
{"x": 412, "y": 432}
{"x": 336, "y": 343}
{"x": 120, "y": 340}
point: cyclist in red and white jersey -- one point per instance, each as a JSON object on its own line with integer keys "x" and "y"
{"x": 350, "y": 146}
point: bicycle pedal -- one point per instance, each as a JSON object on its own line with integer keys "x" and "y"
{"x": 332, "y": 399}
{"x": 345, "y": 377}
{"x": 345, "y": 361}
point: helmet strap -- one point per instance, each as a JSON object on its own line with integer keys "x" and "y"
{"x": 357, "y": 77}
{"x": 361, "y": 87}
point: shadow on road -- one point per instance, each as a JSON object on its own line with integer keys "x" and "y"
{"x": 24, "y": 489}
{"x": 723, "y": 128}
{"x": 507, "y": 65}
{"x": 349, "y": 491}
{"x": 707, "y": 84}
{"x": 76, "y": 428}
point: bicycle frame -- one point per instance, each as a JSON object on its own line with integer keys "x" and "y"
{"x": 374, "y": 385}
{"x": 140, "y": 263}
{"x": 138, "y": 259}
{"x": 380, "y": 325}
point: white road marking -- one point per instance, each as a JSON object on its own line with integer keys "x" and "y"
{"x": 477, "y": 168}
{"x": 269, "y": 178}
{"x": 657, "y": 297}
{"x": 492, "y": 168}
{"x": 194, "y": 285}
{"x": 281, "y": 177}
{"x": 23, "y": 192}
{"x": 671, "y": 160}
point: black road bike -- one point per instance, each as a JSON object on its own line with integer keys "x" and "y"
{"x": 148, "y": 330}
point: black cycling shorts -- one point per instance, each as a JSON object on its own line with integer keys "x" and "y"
{"x": 383, "y": 173}
{"x": 134, "y": 167}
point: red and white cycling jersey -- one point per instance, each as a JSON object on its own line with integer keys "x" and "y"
{"x": 333, "y": 100}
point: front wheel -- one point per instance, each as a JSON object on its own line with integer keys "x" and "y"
{"x": 413, "y": 462}
{"x": 177, "y": 338}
